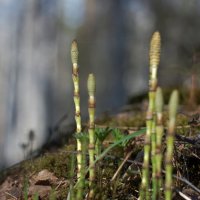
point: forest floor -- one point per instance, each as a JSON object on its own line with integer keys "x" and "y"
{"x": 47, "y": 176}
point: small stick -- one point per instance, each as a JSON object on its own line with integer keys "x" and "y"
{"x": 11, "y": 195}
{"x": 183, "y": 195}
{"x": 121, "y": 165}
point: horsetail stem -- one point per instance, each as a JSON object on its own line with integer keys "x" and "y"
{"x": 71, "y": 174}
{"x": 154, "y": 56}
{"x": 144, "y": 193}
{"x": 75, "y": 77}
{"x": 83, "y": 138}
{"x": 91, "y": 109}
{"x": 173, "y": 105}
{"x": 159, "y": 135}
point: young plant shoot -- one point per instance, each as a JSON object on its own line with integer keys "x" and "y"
{"x": 91, "y": 109}
{"x": 75, "y": 77}
{"x": 173, "y": 105}
{"x": 150, "y": 138}
{"x": 159, "y": 135}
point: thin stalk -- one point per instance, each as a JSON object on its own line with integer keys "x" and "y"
{"x": 153, "y": 159}
{"x": 98, "y": 147}
{"x": 84, "y": 159}
{"x": 144, "y": 191}
{"x": 75, "y": 77}
{"x": 83, "y": 138}
{"x": 72, "y": 167}
{"x": 159, "y": 135}
{"x": 173, "y": 104}
{"x": 150, "y": 138}
{"x": 100, "y": 135}
{"x": 121, "y": 166}
{"x": 91, "y": 110}
{"x": 98, "y": 150}
{"x": 154, "y": 62}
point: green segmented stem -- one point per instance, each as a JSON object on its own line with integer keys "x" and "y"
{"x": 159, "y": 103}
{"x": 154, "y": 62}
{"x": 91, "y": 109}
{"x": 159, "y": 135}
{"x": 144, "y": 193}
{"x": 150, "y": 138}
{"x": 71, "y": 174}
{"x": 75, "y": 77}
{"x": 83, "y": 138}
{"x": 173, "y": 105}
{"x": 153, "y": 159}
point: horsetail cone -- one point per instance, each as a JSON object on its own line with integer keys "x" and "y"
{"x": 155, "y": 47}
{"x": 74, "y": 52}
{"x": 154, "y": 56}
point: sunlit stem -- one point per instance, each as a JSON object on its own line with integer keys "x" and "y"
{"x": 75, "y": 77}
{"x": 173, "y": 105}
{"x": 91, "y": 110}
{"x": 150, "y": 138}
{"x": 159, "y": 135}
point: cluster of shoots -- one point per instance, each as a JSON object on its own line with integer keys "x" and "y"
{"x": 150, "y": 139}
{"x": 85, "y": 141}
{"x": 152, "y": 179}
{"x": 152, "y": 184}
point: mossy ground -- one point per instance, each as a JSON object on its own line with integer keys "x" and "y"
{"x": 186, "y": 159}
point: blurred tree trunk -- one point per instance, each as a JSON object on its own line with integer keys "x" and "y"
{"x": 34, "y": 76}
{"x": 108, "y": 38}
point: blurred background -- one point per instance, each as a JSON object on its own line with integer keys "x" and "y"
{"x": 113, "y": 37}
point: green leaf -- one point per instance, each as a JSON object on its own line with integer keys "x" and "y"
{"x": 124, "y": 139}
{"x": 102, "y": 133}
{"x": 82, "y": 136}
{"x": 36, "y": 196}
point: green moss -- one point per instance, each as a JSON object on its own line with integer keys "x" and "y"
{"x": 135, "y": 120}
{"x": 57, "y": 163}
{"x": 182, "y": 120}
